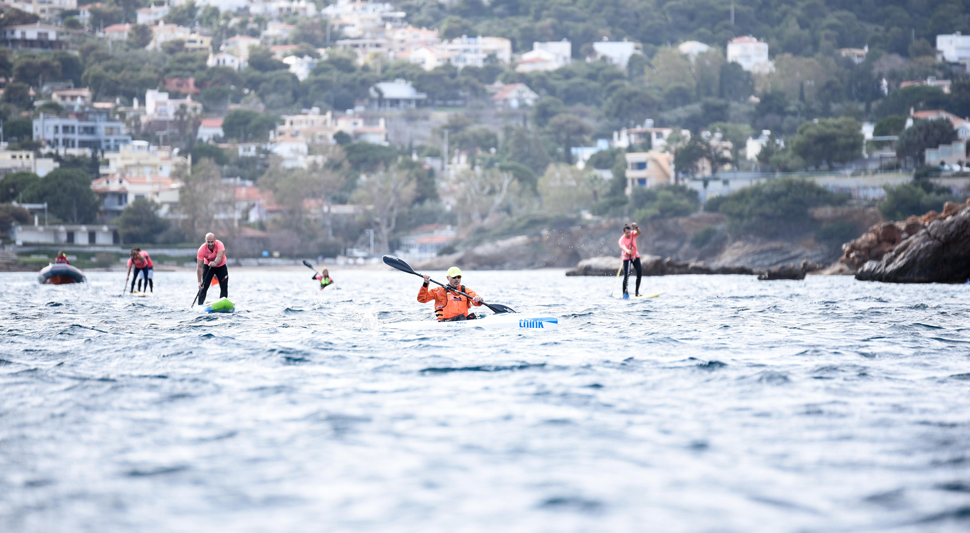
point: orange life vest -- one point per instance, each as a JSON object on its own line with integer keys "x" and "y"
{"x": 447, "y": 304}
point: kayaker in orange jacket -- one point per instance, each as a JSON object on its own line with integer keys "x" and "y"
{"x": 448, "y": 304}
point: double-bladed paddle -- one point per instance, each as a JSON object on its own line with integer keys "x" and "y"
{"x": 400, "y": 264}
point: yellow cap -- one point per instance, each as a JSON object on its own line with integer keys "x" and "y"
{"x": 454, "y": 272}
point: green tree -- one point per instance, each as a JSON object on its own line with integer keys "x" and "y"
{"x": 777, "y": 207}
{"x": 630, "y": 105}
{"x": 139, "y": 36}
{"x": 248, "y": 126}
{"x": 666, "y": 201}
{"x": 6, "y": 62}
{"x": 453, "y": 27}
{"x": 15, "y": 183}
{"x": 183, "y": 15}
{"x": 546, "y": 108}
{"x": 923, "y": 134}
{"x": 688, "y": 158}
{"x": 526, "y": 148}
{"x": 140, "y": 222}
{"x": 829, "y": 141}
{"x": 261, "y": 58}
{"x": 68, "y": 195}
{"x": 11, "y": 214}
{"x": 480, "y": 138}
{"x": 568, "y": 131}
{"x": 523, "y": 174}
{"x": 36, "y": 70}
{"x": 16, "y": 17}
{"x": 916, "y": 198}
{"x": 211, "y": 151}
{"x": 891, "y": 125}
{"x": 18, "y": 94}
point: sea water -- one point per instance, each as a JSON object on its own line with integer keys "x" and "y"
{"x": 725, "y": 404}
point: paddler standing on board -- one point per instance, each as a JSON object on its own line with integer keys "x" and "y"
{"x": 212, "y": 263}
{"x": 450, "y": 306}
{"x": 630, "y": 255}
{"x": 144, "y": 269}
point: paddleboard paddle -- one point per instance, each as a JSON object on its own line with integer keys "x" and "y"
{"x": 400, "y": 264}
{"x": 125, "y": 288}
{"x": 961, "y": 289}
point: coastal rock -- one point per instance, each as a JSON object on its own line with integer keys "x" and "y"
{"x": 939, "y": 253}
{"x": 789, "y": 271}
{"x": 652, "y": 266}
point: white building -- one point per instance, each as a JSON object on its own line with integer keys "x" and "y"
{"x": 45, "y": 9}
{"x": 276, "y": 31}
{"x": 692, "y": 49}
{"x": 428, "y": 58}
{"x": 300, "y": 66}
{"x": 35, "y": 36}
{"x": 751, "y": 54}
{"x": 239, "y": 46}
{"x": 627, "y": 137}
{"x": 398, "y": 94}
{"x": 141, "y": 159}
{"x": 357, "y": 19}
{"x": 75, "y": 98}
{"x": 24, "y": 161}
{"x": 954, "y": 48}
{"x": 546, "y": 56}
{"x": 225, "y": 59}
{"x": 65, "y": 234}
{"x": 754, "y": 145}
{"x": 514, "y": 96}
{"x": 615, "y": 52}
{"x": 475, "y": 51}
{"x": 116, "y": 192}
{"x": 151, "y": 15}
{"x": 163, "y": 33}
{"x": 116, "y": 32}
{"x": 158, "y": 106}
{"x": 278, "y": 9}
{"x": 402, "y": 40}
{"x": 210, "y": 129}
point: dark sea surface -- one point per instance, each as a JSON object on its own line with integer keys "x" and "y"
{"x": 726, "y": 404}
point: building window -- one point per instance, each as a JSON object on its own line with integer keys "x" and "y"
{"x": 642, "y": 182}
{"x": 92, "y": 238}
{"x": 70, "y": 237}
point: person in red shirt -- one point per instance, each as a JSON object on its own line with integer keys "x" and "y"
{"x": 61, "y": 259}
{"x": 144, "y": 269}
{"x": 212, "y": 263}
{"x": 448, "y": 304}
{"x": 630, "y": 255}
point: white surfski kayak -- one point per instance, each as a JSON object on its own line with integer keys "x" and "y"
{"x": 501, "y": 321}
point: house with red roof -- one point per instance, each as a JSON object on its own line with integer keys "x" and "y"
{"x": 514, "y": 96}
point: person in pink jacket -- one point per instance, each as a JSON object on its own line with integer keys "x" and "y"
{"x": 630, "y": 255}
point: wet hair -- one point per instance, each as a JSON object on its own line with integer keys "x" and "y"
{"x": 626, "y": 227}
{"x": 136, "y": 249}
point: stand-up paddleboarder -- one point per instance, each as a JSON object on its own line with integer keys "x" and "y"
{"x": 212, "y": 262}
{"x": 628, "y": 244}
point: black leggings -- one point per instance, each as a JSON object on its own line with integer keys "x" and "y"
{"x": 626, "y": 273}
{"x": 220, "y": 272}
{"x": 148, "y": 281}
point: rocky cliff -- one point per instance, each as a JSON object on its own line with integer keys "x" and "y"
{"x": 934, "y": 248}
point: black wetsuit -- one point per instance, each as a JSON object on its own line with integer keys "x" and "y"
{"x": 222, "y": 274}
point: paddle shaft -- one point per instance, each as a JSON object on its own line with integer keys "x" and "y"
{"x": 125, "y": 288}
{"x": 401, "y": 265}
{"x": 961, "y": 289}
